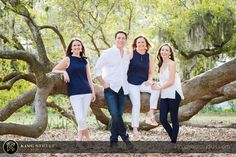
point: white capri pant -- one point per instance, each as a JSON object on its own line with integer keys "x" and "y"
{"x": 134, "y": 95}
{"x": 80, "y": 104}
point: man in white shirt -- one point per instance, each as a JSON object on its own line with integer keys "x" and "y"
{"x": 111, "y": 71}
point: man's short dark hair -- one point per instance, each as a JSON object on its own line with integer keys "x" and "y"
{"x": 126, "y": 35}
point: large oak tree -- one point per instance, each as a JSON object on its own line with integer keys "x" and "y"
{"x": 213, "y": 86}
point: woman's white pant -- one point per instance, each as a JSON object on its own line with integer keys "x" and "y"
{"x": 134, "y": 95}
{"x": 80, "y": 104}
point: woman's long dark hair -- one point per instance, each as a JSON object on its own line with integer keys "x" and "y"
{"x": 134, "y": 45}
{"x": 160, "y": 59}
{"x": 68, "y": 50}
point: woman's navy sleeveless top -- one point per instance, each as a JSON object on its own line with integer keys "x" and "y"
{"x": 78, "y": 76}
{"x": 138, "y": 68}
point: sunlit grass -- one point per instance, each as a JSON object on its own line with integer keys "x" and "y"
{"x": 210, "y": 117}
{"x": 56, "y": 122}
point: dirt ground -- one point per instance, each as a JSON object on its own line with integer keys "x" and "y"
{"x": 186, "y": 133}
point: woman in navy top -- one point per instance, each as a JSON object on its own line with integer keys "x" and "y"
{"x": 140, "y": 78}
{"x": 76, "y": 71}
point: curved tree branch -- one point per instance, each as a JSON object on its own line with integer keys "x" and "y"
{"x": 57, "y": 32}
{"x": 13, "y": 105}
{"x": 61, "y": 111}
{"x": 207, "y": 52}
{"x": 189, "y": 110}
{"x": 100, "y": 115}
{"x": 17, "y": 45}
{"x": 13, "y": 65}
{"x": 20, "y": 55}
{"x": 131, "y": 9}
{"x": 38, "y": 127}
{"x": 209, "y": 81}
{"x": 227, "y": 92}
{"x": 17, "y": 8}
{"x": 26, "y": 77}
{"x": 20, "y": 9}
{"x": 94, "y": 44}
{"x": 5, "y": 40}
{"x": 10, "y": 76}
{"x": 59, "y": 87}
{"x": 37, "y": 68}
{"x": 103, "y": 38}
{"x": 78, "y": 11}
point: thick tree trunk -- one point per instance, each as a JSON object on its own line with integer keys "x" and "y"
{"x": 209, "y": 81}
{"x": 193, "y": 103}
{"x": 38, "y": 127}
{"x": 203, "y": 84}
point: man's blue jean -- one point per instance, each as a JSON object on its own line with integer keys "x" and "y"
{"x": 116, "y": 104}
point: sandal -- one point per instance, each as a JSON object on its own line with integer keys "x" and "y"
{"x": 151, "y": 120}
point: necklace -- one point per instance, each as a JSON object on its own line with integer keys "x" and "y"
{"x": 141, "y": 56}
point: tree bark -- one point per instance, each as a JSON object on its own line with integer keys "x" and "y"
{"x": 41, "y": 120}
{"x": 61, "y": 111}
{"x": 209, "y": 81}
{"x": 100, "y": 115}
{"x": 20, "y": 101}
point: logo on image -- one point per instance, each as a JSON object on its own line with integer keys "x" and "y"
{"x": 10, "y": 147}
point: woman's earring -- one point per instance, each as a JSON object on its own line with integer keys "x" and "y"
{"x": 169, "y": 56}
